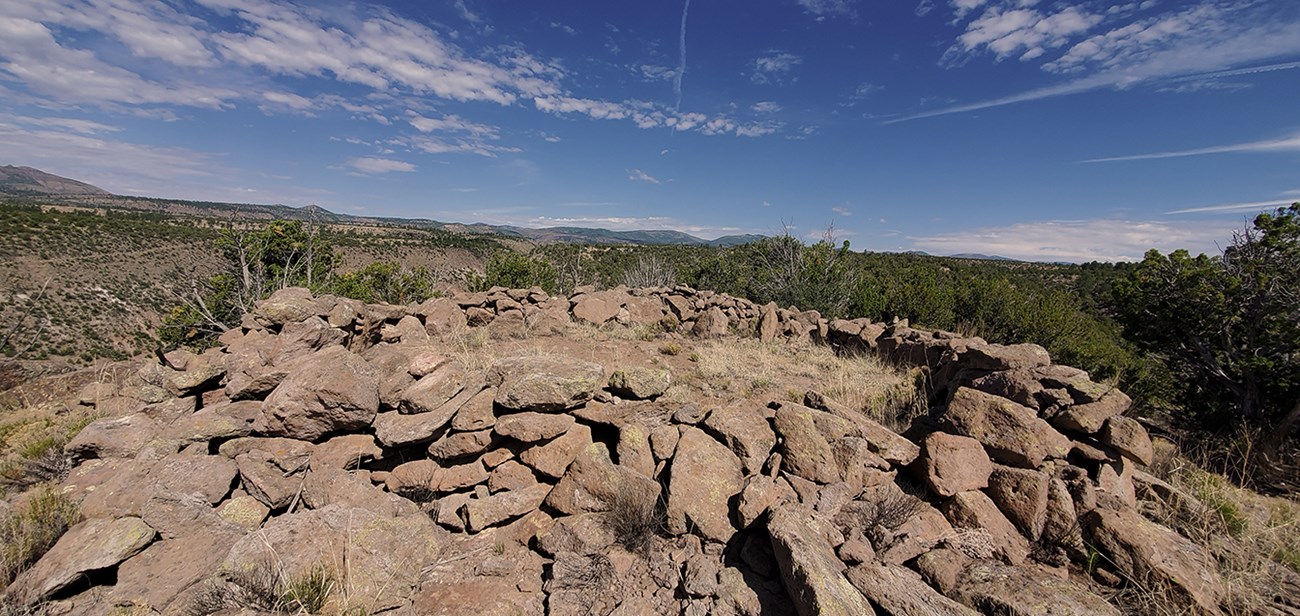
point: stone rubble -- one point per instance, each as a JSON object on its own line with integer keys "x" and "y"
{"x": 329, "y": 433}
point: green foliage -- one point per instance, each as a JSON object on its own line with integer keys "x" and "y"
{"x": 1228, "y": 326}
{"x": 513, "y": 270}
{"x": 384, "y": 281}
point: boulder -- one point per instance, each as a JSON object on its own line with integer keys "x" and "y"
{"x": 705, "y": 476}
{"x": 1026, "y": 591}
{"x": 633, "y": 449}
{"x": 546, "y": 384}
{"x": 384, "y": 555}
{"x": 712, "y": 323}
{"x": 552, "y": 458}
{"x": 287, "y": 305}
{"x": 209, "y": 477}
{"x": 434, "y": 390}
{"x": 597, "y": 308}
{"x": 160, "y": 575}
{"x": 994, "y": 357}
{"x": 813, "y": 576}
{"x": 975, "y": 510}
{"x": 1089, "y": 418}
{"x": 640, "y": 383}
{"x": 1022, "y": 495}
{"x": 326, "y": 486}
{"x": 884, "y": 442}
{"x": 395, "y": 429}
{"x": 331, "y": 390}
{"x": 266, "y": 482}
{"x": 303, "y": 338}
{"x": 347, "y": 451}
{"x": 901, "y": 592}
{"x": 476, "y": 414}
{"x": 768, "y": 323}
{"x": 1128, "y": 437}
{"x": 533, "y": 427}
{"x": 89, "y": 546}
{"x": 482, "y": 513}
{"x": 594, "y": 483}
{"x": 954, "y": 464}
{"x": 244, "y": 511}
{"x": 1144, "y": 550}
{"x": 461, "y": 445}
{"x": 804, "y": 451}
{"x": 760, "y": 493}
{"x": 746, "y": 431}
{"x": 122, "y": 437}
{"x": 441, "y": 316}
{"x": 1011, "y": 433}
{"x": 511, "y": 475}
{"x": 219, "y": 422}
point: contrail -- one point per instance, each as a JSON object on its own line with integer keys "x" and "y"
{"x": 681, "y": 59}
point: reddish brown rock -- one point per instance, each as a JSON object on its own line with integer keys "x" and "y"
{"x": 954, "y": 464}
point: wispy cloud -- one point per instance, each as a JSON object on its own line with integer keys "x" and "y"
{"x": 842, "y": 211}
{"x": 1081, "y": 240}
{"x": 374, "y": 166}
{"x": 681, "y": 58}
{"x": 1284, "y": 144}
{"x": 1227, "y": 38}
{"x": 822, "y": 9}
{"x": 1235, "y": 207}
{"x": 774, "y": 67}
{"x": 765, "y": 107}
{"x": 637, "y": 175}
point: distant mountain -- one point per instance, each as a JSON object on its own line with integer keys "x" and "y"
{"x": 736, "y": 240}
{"x": 976, "y": 255}
{"x": 26, "y": 180}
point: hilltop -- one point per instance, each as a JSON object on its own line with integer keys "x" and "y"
{"x": 630, "y": 451}
{"x": 26, "y": 180}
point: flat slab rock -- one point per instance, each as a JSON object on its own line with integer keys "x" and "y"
{"x": 92, "y": 545}
{"x": 812, "y": 574}
{"x": 1026, "y": 591}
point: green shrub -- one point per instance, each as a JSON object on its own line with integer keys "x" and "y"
{"x": 513, "y": 270}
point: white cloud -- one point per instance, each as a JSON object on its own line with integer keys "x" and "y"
{"x": 822, "y": 9}
{"x": 1236, "y": 38}
{"x": 1284, "y": 144}
{"x": 1021, "y": 31}
{"x": 117, "y": 166}
{"x": 371, "y": 165}
{"x": 76, "y": 125}
{"x": 565, "y": 28}
{"x": 1081, "y": 240}
{"x": 654, "y": 72}
{"x": 963, "y": 7}
{"x": 1234, "y": 207}
{"x": 774, "y": 67}
{"x": 451, "y": 123}
{"x": 842, "y": 211}
{"x": 30, "y": 54}
{"x": 637, "y": 175}
{"x": 765, "y": 107}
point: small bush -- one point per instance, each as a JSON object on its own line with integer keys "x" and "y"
{"x": 28, "y": 534}
{"x": 890, "y": 509}
{"x": 635, "y": 520}
{"x": 265, "y": 587}
{"x": 670, "y": 348}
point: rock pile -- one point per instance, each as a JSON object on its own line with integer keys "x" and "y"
{"x": 327, "y": 435}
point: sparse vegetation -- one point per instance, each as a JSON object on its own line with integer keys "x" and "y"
{"x": 265, "y": 586}
{"x": 635, "y": 520}
{"x": 26, "y": 534}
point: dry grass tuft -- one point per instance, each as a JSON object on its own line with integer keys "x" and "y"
{"x": 27, "y": 534}
{"x": 635, "y": 520}
{"x": 748, "y": 366}
{"x": 1254, "y": 539}
{"x": 266, "y": 587}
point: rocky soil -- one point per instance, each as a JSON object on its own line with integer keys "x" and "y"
{"x": 337, "y": 457}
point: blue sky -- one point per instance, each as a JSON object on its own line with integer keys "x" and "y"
{"x": 1026, "y": 128}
